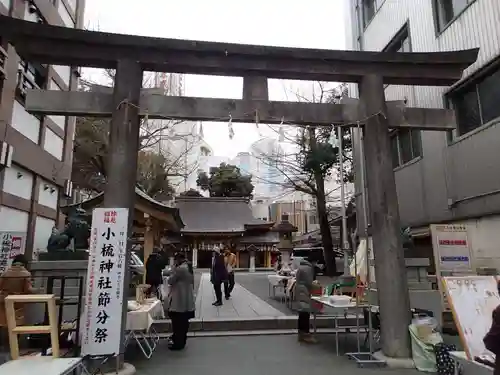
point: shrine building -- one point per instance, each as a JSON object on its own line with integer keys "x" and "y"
{"x": 224, "y": 222}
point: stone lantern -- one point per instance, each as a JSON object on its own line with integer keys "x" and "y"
{"x": 285, "y": 230}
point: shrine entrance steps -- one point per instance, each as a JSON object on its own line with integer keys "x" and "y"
{"x": 243, "y": 314}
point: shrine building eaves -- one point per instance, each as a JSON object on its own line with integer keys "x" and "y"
{"x": 57, "y": 45}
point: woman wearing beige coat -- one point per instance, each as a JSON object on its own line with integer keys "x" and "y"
{"x": 14, "y": 281}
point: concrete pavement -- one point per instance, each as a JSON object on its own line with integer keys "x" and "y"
{"x": 250, "y": 308}
{"x": 250, "y": 355}
{"x": 242, "y": 304}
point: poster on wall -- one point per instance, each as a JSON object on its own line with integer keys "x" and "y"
{"x": 452, "y": 253}
{"x": 12, "y": 244}
{"x": 102, "y": 323}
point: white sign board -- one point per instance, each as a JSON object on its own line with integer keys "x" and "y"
{"x": 452, "y": 248}
{"x": 12, "y": 244}
{"x": 472, "y": 300}
{"x": 452, "y": 253}
{"x": 102, "y": 323}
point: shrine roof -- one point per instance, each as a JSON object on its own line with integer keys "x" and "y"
{"x": 215, "y": 215}
{"x": 259, "y": 224}
{"x": 143, "y": 203}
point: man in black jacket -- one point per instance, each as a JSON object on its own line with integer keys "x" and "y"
{"x": 155, "y": 264}
{"x": 218, "y": 275}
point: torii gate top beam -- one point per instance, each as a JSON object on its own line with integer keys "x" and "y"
{"x": 49, "y": 44}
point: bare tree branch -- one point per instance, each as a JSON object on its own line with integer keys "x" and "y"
{"x": 157, "y": 136}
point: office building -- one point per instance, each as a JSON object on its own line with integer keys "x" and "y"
{"x": 36, "y": 152}
{"x": 443, "y": 177}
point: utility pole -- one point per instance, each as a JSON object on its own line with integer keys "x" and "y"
{"x": 345, "y": 243}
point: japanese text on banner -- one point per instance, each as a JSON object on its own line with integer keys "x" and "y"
{"x": 11, "y": 244}
{"x": 107, "y": 262}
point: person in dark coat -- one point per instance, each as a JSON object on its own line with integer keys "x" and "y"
{"x": 218, "y": 275}
{"x": 155, "y": 264}
{"x": 180, "y": 301}
{"x": 492, "y": 338}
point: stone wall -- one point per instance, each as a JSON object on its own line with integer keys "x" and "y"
{"x": 42, "y": 270}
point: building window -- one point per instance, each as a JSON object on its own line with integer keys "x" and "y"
{"x": 33, "y": 14}
{"x": 65, "y": 15}
{"x": 405, "y": 146}
{"x": 447, "y": 10}
{"x": 405, "y": 143}
{"x": 400, "y": 42}
{"x": 313, "y": 219}
{"x": 204, "y": 151}
{"x": 369, "y": 8}
{"x": 476, "y": 103}
{"x": 6, "y": 3}
{"x": 30, "y": 76}
{"x": 72, "y": 5}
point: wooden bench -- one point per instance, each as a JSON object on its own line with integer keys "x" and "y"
{"x": 14, "y": 330}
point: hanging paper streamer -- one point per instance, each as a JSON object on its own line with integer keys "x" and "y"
{"x": 230, "y": 127}
{"x": 201, "y": 130}
{"x": 257, "y": 122}
{"x": 332, "y": 140}
{"x": 281, "y": 132}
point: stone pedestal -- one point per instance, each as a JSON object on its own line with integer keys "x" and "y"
{"x": 41, "y": 270}
{"x": 420, "y": 291}
{"x": 63, "y": 255}
{"x": 285, "y": 257}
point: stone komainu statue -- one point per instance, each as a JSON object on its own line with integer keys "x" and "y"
{"x": 76, "y": 229}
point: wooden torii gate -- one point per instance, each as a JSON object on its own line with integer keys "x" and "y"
{"x": 131, "y": 55}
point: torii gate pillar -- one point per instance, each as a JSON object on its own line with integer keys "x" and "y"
{"x": 121, "y": 166}
{"x": 383, "y": 203}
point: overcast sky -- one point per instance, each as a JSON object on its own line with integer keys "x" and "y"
{"x": 289, "y": 23}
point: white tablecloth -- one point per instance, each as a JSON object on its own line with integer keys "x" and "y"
{"x": 142, "y": 319}
{"x": 276, "y": 280}
{"x": 325, "y": 300}
{"x": 469, "y": 367}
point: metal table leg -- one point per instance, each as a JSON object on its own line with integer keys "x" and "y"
{"x": 336, "y": 326}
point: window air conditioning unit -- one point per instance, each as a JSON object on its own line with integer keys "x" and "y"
{"x": 6, "y": 152}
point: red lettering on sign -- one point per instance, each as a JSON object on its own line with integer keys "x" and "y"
{"x": 453, "y": 242}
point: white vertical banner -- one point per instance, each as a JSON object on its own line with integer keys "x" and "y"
{"x": 102, "y": 327}
{"x": 12, "y": 244}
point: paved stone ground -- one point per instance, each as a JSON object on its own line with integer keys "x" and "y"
{"x": 258, "y": 284}
{"x": 250, "y": 355}
{"x": 243, "y": 304}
